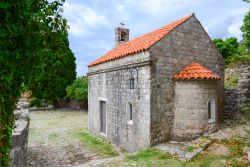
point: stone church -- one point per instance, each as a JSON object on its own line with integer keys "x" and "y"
{"x": 161, "y": 86}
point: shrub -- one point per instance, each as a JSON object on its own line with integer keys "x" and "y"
{"x": 79, "y": 89}
{"x": 35, "y": 102}
{"x": 231, "y": 81}
{"x": 234, "y": 61}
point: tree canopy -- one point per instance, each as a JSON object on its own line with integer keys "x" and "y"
{"x": 246, "y": 30}
{"x": 228, "y": 47}
{"x": 79, "y": 89}
{"x": 32, "y": 34}
{"x": 55, "y": 66}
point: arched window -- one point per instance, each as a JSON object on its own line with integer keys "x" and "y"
{"x": 211, "y": 111}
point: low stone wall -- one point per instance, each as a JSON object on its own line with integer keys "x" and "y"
{"x": 235, "y": 98}
{"x": 72, "y": 104}
{"x": 20, "y": 135}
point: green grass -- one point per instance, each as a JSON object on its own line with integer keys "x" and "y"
{"x": 53, "y": 136}
{"x": 98, "y": 145}
{"x": 153, "y": 157}
{"x": 147, "y": 154}
{"x": 190, "y": 149}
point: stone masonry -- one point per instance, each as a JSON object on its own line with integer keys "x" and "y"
{"x": 236, "y": 97}
{"x": 153, "y": 98}
{"x": 20, "y": 135}
{"x": 187, "y": 43}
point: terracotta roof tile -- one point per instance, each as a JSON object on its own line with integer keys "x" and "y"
{"x": 138, "y": 44}
{"x": 195, "y": 71}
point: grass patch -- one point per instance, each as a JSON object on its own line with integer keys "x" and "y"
{"x": 96, "y": 144}
{"x": 53, "y": 136}
{"x": 190, "y": 149}
{"x": 148, "y": 154}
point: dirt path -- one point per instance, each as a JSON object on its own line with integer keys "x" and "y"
{"x": 51, "y": 142}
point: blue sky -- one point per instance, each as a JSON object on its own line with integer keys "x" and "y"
{"x": 92, "y": 22}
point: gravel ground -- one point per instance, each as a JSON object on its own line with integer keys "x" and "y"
{"x": 50, "y": 143}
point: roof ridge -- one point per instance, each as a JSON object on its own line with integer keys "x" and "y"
{"x": 140, "y": 43}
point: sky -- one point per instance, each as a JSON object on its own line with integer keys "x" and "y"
{"x": 92, "y": 22}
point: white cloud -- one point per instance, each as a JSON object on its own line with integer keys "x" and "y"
{"x": 82, "y": 18}
{"x": 156, "y": 7}
{"x": 231, "y": 21}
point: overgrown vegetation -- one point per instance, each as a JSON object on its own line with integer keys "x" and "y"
{"x": 231, "y": 81}
{"x": 94, "y": 143}
{"x": 79, "y": 89}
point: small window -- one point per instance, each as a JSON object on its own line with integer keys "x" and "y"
{"x": 132, "y": 83}
{"x": 130, "y": 111}
{"x": 211, "y": 111}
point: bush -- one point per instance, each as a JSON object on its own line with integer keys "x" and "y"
{"x": 79, "y": 89}
{"x": 231, "y": 81}
{"x": 234, "y": 61}
{"x": 35, "y": 102}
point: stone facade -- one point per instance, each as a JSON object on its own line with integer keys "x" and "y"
{"x": 191, "y": 109}
{"x": 187, "y": 43}
{"x": 153, "y": 98}
{"x": 110, "y": 82}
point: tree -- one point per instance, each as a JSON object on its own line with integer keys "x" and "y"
{"x": 55, "y": 67}
{"x": 25, "y": 30}
{"x": 246, "y": 30}
{"x": 228, "y": 47}
{"x": 79, "y": 89}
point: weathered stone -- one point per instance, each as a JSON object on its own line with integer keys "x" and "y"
{"x": 20, "y": 136}
{"x": 153, "y": 98}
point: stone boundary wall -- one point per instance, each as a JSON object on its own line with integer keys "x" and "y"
{"x": 72, "y": 104}
{"x": 235, "y": 98}
{"x": 20, "y": 135}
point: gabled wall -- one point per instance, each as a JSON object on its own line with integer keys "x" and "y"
{"x": 110, "y": 82}
{"x": 187, "y": 43}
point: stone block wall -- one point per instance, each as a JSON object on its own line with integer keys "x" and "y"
{"x": 236, "y": 97}
{"x": 187, "y": 43}
{"x": 191, "y": 109}
{"x": 20, "y": 135}
{"x": 109, "y": 82}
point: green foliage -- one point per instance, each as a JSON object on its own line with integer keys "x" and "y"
{"x": 246, "y": 30}
{"x": 55, "y": 65}
{"x": 228, "y": 47}
{"x": 231, "y": 81}
{"x": 28, "y": 31}
{"x": 234, "y": 61}
{"x": 79, "y": 89}
{"x": 148, "y": 154}
{"x": 190, "y": 148}
{"x": 35, "y": 102}
{"x": 14, "y": 64}
{"x": 95, "y": 144}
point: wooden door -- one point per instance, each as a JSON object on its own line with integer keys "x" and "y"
{"x": 103, "y": 116}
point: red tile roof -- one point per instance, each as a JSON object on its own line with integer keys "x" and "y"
{"x": 195, "y": 71}
{"x": 139, "y": 44}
